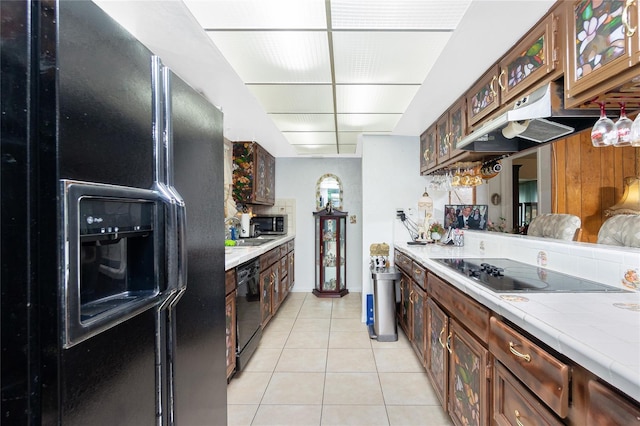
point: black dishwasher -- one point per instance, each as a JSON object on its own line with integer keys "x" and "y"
{"x": 248, "y": 329}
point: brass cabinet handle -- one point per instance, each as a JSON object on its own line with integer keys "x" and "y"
{"x": 411, "y": 296}
{"x": 448, "y": 343}
{"x": 440, "y": 337}
{"x": 492, "y": 86}
{"x": 526, "y": 357}
{"x": 502, "y": 86}
{"x": 450, "y": 136}
{"x": 518, "y": 422}
{"x": 625, "y": 18}
{"x": 417, "y": 271}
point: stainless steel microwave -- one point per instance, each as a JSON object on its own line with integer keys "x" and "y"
{"x": 271, "y": 224}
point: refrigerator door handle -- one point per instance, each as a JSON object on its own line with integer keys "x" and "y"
{"x": 182, "y": 252}
{"x": 172, "y": 243}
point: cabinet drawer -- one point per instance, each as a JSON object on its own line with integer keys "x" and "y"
{"x": 419, "y": 275}
{"x": 290, "y": 246}
{"x": 607, "y": 407}
{"x": 541, "y": 372}
{"x": 402, "y": 261}
{"x": 284, "y": 248}
{"x": 514, "y": 404}
{"x": 229, "y": 281}
{"x": 473, "y": 315}
{"x": 269, "y": 258}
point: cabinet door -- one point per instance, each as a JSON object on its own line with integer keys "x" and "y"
{"x": 266, "y": 280}
{"x": 457, "y": 126}
{"x": 276, "y": 291}
{"x": 607, "y": 407}
{"x": 432, "y": 147}
{"x": 291, "y": 256}
{"x": 405, "y": 305}
{"x": 483, "y": 98}
{"x": 261, "y": 184}
{"x": 443, "y": 138}
{"x": 597, "y": 42}
{"x": 468, "y": 378}
{"x": 529, "y": 61}
{"x": 424, "y": 152}
{"x": 230, "y": 331}
{"x": 437, "y": 354}
{"x": 418, "y": 314}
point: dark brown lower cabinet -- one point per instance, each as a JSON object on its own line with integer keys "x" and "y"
{"x": 438, "y": 355}
{"x": 418, "y": 299}
{"x": 513, "y": 404}
{"x": 404, "y": 311}
{"x": 607, "y": 407}
{"x": 469, "y": 375}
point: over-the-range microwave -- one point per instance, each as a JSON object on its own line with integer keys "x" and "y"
{"x": 271, "y": 224}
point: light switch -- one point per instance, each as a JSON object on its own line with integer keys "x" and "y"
{"x": 352, "y": 218}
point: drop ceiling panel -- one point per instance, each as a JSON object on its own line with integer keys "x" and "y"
{"x": 304, "y": 122}
{"x": 347, "y": 138}
{"x": 310, "y": 138}
{"x": 386, "y": 57}
{"x": 279, "y": 14}
{"x": 316, "y": 149}
{"x": 368, "y": 122}
{"x": 397, "y": 14}
{"x": 374, "y": 98}
{"x": 347, "y": 149}
{"x": 294, "y": 98}
{"x": 276, "y": 56}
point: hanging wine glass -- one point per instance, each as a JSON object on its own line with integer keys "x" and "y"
{"x": 623, "y": 128}
{"x": 635, "y": 131}
{"x": 604, "y": 131}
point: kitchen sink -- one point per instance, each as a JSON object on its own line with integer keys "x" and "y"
{"x": 252, "y": 242}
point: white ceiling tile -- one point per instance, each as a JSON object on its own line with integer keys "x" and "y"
{"x": 294, "y": 98}
{"x": 367, "y": 122}
{"x": 310, "y": 138}
{"x": 348, "y": 138}
{"x": 304, "y": 122}
{"x": 276, "y": 56}
{"x": 386, "y": 57}
{"x": 348, "y": 148}
{"x": 276, "y": 14}
{"x": 369, "y": 98}
{"x": 316, "y": 149}
{"x": 397, "y": 14}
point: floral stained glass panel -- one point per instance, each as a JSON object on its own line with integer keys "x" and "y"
{"x": 528, "y": 62}
{"x": 443, "y": 150}
{"x": 599, "y": 34}
{"x": 482, "y": 99}
{"x": 437, "y": 352}
{"x": 456, "y": 126}
{"x": 466, "y": 365}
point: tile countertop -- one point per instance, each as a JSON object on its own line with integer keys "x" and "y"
{"x": 237, "y": 255}
{"x": 599, "y": 331}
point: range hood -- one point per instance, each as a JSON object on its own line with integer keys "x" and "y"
{"x": 535, "y": 119}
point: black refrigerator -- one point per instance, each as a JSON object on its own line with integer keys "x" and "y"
{"x": 112, "y": 286}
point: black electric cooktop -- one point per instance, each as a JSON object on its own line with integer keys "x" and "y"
{"x": 506, "y": 276}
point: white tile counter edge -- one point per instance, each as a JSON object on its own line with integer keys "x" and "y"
{"x": 234, "y": 256}
{"x": 582, "y": 327}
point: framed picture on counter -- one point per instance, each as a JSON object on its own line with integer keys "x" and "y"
{"x": 466, "y": 216}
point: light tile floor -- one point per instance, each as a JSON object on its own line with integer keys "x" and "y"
{"x": 316, "y": 365}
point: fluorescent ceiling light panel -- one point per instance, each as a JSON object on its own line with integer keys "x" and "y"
{"x": 294, "y": 98}
{"x": 367, "y": 122}
{"x": 310, "y": 138}
{"x": 276, "y": 56}
{"x": 304, "y": 122}
{"x": 374, "y": 98}
{"x": 316, "y": 149}
{"x": 386, "y": 57}
{"x": 348, "y": 138}
{"x": 397, "y": 14}
{"x": 347, "y": 149}
{"x": 276, "y": 14}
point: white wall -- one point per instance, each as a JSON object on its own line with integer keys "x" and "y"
{"x": 390, "y": 179}
{"x": 296, "y": 178}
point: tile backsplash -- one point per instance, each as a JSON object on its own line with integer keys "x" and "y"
{"x": 282, "y": 206}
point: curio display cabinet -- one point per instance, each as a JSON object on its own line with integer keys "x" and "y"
{"x": 331, "y": 253}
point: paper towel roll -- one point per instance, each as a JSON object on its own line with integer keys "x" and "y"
{"x": 514, "y": 128}
{"x": 245, "y": 220}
